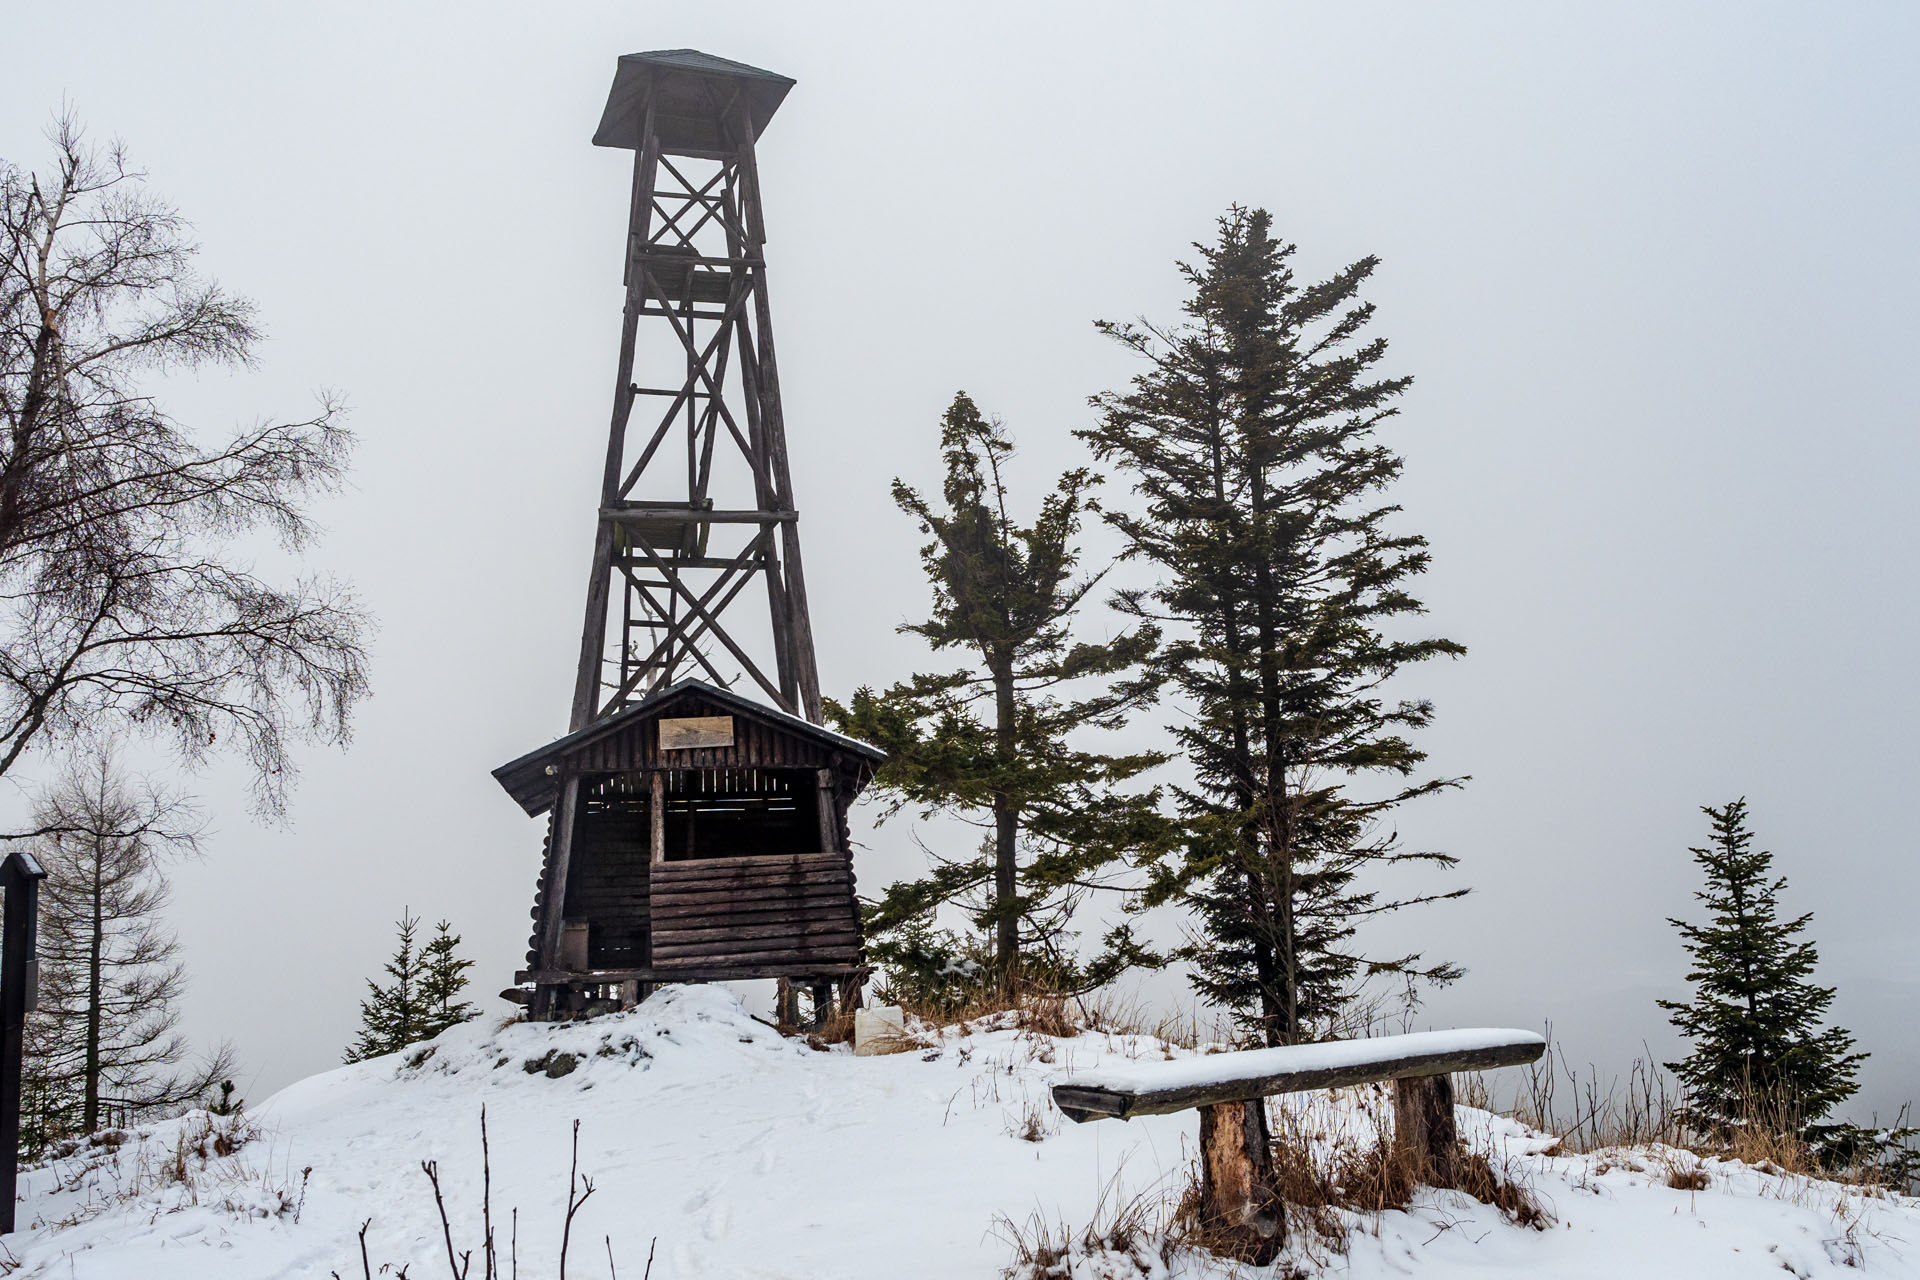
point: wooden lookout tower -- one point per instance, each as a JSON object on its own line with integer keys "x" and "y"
{"x": 694, "y": 833}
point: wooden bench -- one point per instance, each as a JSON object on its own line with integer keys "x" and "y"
{"x": 1236, "y": 1165}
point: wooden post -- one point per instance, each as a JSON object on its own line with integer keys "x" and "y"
{"x": 20, "y": 877}
{"x": 1424, "y": 1134}
{"x": 822, "y": 1004}
{"x": 553, "y": 906}
{"x": 657, "y": 816}
{"x": 805, "y": 674}
{"x": 1236, "y": 1171}
{"x": 786, "y": 1003}
{"x": 823, "y": 797}
{"x": 593, "y": 634}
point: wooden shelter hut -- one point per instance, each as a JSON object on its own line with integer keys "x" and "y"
{"x": 707, "y": 841}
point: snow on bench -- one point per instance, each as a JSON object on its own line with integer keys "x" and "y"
{"x": 1156, "y": 1088}
{"x": 1237, "y": 1187}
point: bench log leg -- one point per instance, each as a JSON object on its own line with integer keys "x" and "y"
{"x": 786, "y": 1003}
{"x": 1424, "y": 1134}
{"x": 1236, "y": 1170}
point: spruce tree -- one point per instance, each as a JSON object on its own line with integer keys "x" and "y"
{"x": 392, "y": 1016}
{"x": 1760, "y": 1055}
{"x": 1250, "y": 439}
{"x": 443, "y": 978}
{"x": 988, "y": 741}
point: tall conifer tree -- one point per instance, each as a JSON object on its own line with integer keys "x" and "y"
{"x": 104, "y": 1045}
{"x": 1759, "y": 1054}
{"x": 988, "y": 741}
{"x": 1250, "y": 439}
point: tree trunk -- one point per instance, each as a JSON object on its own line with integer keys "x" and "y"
{"x": 1006, "y": 826}
{"x": 96, "y": 940}
{"x": 1424, "y": 1134}
{"x": 1273, "y": 802}
{"x": 1237, "y": 1194}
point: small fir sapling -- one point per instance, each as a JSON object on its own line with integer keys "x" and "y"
{"x": 422, "y": 998}
{"x": 1760, "y": 1054}
{"x": 443, "y": 979}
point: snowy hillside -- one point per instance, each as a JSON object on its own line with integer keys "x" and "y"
{"x": 750, "y": 1155}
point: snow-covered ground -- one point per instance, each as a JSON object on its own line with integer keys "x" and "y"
{"x": 745, "y": 1154}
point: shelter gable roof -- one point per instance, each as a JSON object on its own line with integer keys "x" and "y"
{"x": 515, "y": 775}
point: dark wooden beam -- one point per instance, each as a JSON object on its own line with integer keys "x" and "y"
{"x": 593, "y": 636}
{"x": 691, "y": 973}
{"x": 686, "y": 515}
{"x": 805, "y": 673}
{"x": 732, "y": 646}
{"x": 553, "y": 905}
{"x": 20, "y": 878}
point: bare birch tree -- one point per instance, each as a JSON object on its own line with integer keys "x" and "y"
{"x": 124, "y": 605}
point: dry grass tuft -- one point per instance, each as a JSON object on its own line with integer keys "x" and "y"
{"x": 1035, "y": 1123}
{"x": 1767, "y": 1146}
{"x": 1048, "y": 1014}
{"x": 1126, "y": 1236}
{"x": 1367, "y": 1174}
{"x": 1019, "y": 1001}
{"x": 1323, "y": 1177}
{"x": 837, "y": 1029}
{"x": 1687, "y": 1178}
{"x": 1476, "y": 1176}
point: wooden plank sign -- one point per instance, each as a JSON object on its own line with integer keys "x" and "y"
{"x": 689, "y": 732}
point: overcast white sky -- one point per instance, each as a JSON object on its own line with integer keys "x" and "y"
{"x": 1652, "y": 266}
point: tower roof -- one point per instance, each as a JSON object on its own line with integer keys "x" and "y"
{"x": 690, "y": 91}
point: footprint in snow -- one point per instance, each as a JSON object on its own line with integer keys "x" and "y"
{"x": 719, "y": 1220}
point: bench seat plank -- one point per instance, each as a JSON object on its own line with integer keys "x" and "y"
{"x": 1157, "y": 1088}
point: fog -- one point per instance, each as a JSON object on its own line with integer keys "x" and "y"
{"x": 1652, "y": 267}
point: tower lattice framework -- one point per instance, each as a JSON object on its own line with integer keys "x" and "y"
{"x": 696, "y": 503}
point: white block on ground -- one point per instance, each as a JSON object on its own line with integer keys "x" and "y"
{"x": 881, "y": 1029}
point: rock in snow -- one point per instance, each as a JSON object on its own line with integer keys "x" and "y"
{"x": 745, "y": 1154}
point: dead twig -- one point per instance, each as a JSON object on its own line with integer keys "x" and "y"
{"x": 574, "y": 1180}
{"x": 432, "y": 1169}
{"x": 486, "y": 1196}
